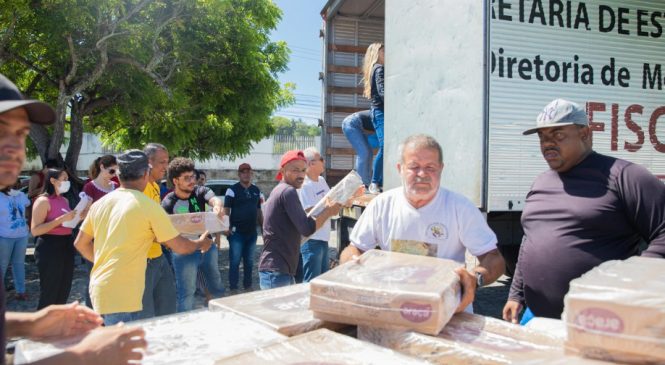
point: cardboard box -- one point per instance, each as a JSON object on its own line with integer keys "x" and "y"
{"x": 196, "y": 223}
{"x": 389, "y": 290}
{"x": 616, "y": 312}
{"x": 285, "y": 310}
{"x": 469, "y": 339}
{"x": 197, "y": 337}
{"x": 321, "y": 347}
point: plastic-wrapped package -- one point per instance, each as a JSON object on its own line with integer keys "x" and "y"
{"x": 285, "y": 310}
{"x": 616, "y": 312}
{"x": 321, "y": 347}
{"x": 469, "y": 339}
{"x": 197, "y": 337}
{"x": 553, "y": 327}
{"x": 340, "y": 193}
{"x": 197, "y": 223}
{"x": 565, "y": 360}
{"x": 388, "y": 289}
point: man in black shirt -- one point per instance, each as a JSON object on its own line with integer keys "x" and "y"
{"x": 187, "y": 197}
{"x": 587, "y": 209}
{"x": 242, "y": 204}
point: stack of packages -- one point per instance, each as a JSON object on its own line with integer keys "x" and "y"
{"x": 470, "y": 339}
{"x": 388, "y": 290}
{"x": 616, "y": 312}
{"x": 198, "y": 337}
{"x": 321, "y": 347}
{"x": 285, "y": 310}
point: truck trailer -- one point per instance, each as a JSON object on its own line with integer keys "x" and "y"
{"x": 475, "y": 75}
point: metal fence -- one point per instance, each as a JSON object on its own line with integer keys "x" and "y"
{"x": 284, "y": 142}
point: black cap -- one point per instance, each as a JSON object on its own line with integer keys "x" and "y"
{"x": 132, "y": 164}
{"x": 10, "y": 98}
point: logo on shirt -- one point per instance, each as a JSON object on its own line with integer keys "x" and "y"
{"x": 437, "y": 231}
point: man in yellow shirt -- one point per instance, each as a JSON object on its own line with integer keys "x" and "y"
{"x": 124, "y": 224}
{"x": 159, "y": 296}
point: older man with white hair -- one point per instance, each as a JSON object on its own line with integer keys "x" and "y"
{"x": 423, "y": 217}
{"x": 314, "y": 251}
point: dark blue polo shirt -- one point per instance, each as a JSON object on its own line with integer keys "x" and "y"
{"x": 244, "y": 204}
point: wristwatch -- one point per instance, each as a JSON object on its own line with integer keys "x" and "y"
{"x": 479, "y": 280}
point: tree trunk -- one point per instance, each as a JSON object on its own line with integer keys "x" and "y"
{"x": 40, "y": 138}
{"x": 76, "y": 135}
{"x": 58, "y": 129}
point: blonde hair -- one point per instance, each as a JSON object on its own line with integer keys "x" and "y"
{"x": 371, "y": 58}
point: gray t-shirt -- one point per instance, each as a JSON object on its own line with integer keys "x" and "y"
{"x": 284, "y": 224}
{"x": 599, "y": 210}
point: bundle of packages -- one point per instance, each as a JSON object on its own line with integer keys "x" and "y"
{"x": 321, "y": 347}
{"x": 388, "y": 290}
{"x": 285, "y": 310}
{"x": 198, "y": 337}
{"x": 196, "y": 223}
{"x": 469, "y": 339}
{"x": 616, "y": 312}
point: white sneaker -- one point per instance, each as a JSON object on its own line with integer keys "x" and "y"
{"x": 373, "y": 188}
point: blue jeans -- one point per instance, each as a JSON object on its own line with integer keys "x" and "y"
{"x": 13, "y": 250}
{"x": 352, "y": 127}
{"x": 241, "y": 246}
{"x": 159, "y": 295}
{"x": 377, "y": 120}
{"x": 186, "y": 266}
{"x": 274, "y": 279}
{"x": 315, "y": 258}
{"x": 114, "y": 318}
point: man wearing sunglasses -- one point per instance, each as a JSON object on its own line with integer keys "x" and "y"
{"x": 188, "y": 197}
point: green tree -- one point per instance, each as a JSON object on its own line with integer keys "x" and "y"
{"x": 286, "y": 126}
{"x": 198, "y": 76}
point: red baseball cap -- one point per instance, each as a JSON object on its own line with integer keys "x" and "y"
{"x": 293, "y": 155}
{"x": 244, "y": 166}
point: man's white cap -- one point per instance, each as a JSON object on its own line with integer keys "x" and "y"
{"x": 559, "y": 113}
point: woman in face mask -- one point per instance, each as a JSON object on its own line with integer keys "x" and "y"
{"x": 54, "y": 249}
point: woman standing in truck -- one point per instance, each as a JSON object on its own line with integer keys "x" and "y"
{"x": 373, "y": 90}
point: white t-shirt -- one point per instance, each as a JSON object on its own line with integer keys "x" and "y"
{"x": 310, "y": 193}
{"x": 443, "y": 228}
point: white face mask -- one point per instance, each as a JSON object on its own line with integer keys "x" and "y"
{"x": 64, "y": 187}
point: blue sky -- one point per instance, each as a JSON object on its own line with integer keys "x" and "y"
{"x": 301, "y": 21}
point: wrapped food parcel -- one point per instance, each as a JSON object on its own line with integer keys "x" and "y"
{"x": 197, "y": 223}
{"x": 285, "y": 310}
{"x": 388, "y": 290}
{"x": 469, "y": 339}
{"x": 197, "y": 337}
{"x": 321, "y": 347}
{"x": 616, "y": 312}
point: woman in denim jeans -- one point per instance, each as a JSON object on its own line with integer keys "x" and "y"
{"x": 359, "y": 130}
{"x": 373, "y": 90}
{"x": 14, "y": 232}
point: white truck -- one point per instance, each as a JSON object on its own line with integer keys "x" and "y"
{"x": 475, "y": 74}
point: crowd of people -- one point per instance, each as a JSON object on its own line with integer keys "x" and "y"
{"x": 140, "y": 266}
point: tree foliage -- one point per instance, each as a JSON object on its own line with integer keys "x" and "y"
{"x": 199, "y": 76}
{"x": 293, "y": 127}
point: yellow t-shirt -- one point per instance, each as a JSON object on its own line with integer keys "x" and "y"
{"x": 124, "y": 223}
{"x": 152, "y": 191}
